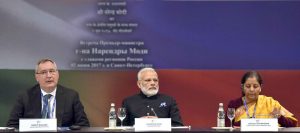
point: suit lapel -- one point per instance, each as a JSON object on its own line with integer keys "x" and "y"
{"x": 36, "y": 105}
{"x": 59, "y": 104}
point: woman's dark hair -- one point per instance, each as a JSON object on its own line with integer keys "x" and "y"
{"x": 250, "y": 74}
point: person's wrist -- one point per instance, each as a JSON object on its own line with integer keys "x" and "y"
{"x": 277, "y": 115}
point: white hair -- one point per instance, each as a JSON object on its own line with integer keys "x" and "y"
{"x": 143, "y": 70}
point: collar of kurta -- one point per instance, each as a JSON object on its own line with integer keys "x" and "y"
{"x": 151, "y": 97}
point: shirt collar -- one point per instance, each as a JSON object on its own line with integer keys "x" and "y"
{"x": 145, "y": 96}
{"x": 53, "y": 93}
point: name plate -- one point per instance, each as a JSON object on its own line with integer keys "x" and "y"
{"x": 37, "y": 125}
{"x": 259, "y": 124}
{"x": 152, "y": 124}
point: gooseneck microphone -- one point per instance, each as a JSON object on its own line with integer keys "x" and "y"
{"x": 153, "y": 111}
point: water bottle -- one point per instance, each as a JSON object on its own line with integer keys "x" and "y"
{"x": 221, "y": 116}
{"x": 112, "y": 116}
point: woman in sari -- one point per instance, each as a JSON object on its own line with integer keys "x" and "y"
{"x": 253, "y": 105}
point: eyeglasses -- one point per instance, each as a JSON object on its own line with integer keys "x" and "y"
{"x": 149, "y": 80}
{"x": 45, "y": 72}
{"x": 248, "y": 86}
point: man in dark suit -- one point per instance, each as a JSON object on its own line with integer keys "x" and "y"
{"x": 47, "y": 99}
{"x": 149, "y": 103}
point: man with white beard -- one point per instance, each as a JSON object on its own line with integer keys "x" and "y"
{"x": 149, "y": 103}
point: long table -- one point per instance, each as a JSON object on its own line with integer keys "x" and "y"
{"x": 174, "y": 129}
{"x": 191, "y": 129}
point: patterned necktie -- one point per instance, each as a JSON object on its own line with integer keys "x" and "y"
{"x": 46, "y": 106}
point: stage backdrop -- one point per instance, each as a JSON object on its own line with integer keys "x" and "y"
{"x": 199, "y": 48}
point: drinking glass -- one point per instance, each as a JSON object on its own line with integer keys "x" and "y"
{"x": 121, "y": 114}
{"x": 231, "y": 114}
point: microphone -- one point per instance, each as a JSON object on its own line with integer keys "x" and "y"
{"x": 153, "y": 111}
